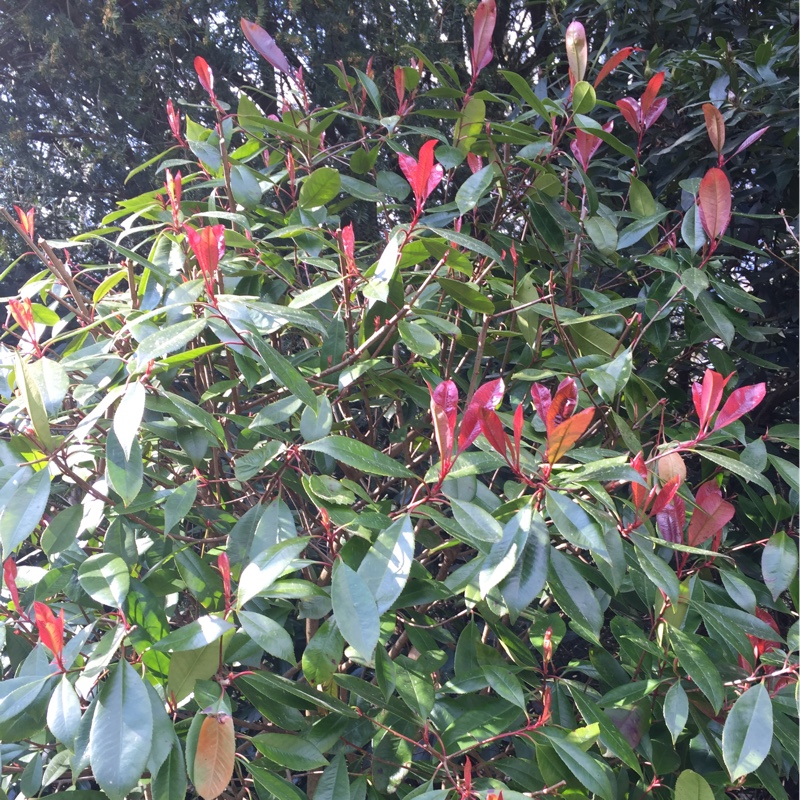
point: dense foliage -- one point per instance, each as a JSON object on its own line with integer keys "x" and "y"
{"x": 411, "y": 445}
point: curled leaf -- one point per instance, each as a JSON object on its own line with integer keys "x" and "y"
{"x": 205, "y": 75}
{"x": 483, "y": 28}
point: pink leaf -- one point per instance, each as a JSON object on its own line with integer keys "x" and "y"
{"x": 653, "y": 87}
{"x": 613, "y": 63}
{"x": 584, "y": 146}
{"x": 10, "y": 581}
{"x": 561, "y": 439}
{"x": 487, "y": 396}
{"x": 714, "y": 203}
{"x": 655, "y": 111}
{"x": 423, "y": 175}
{"x": 710, "y": 516}
{"x": 349, "y": 248}
{"x": 740, "y": 402}
{"x": 753, "y": 137}
{"x": 265, "y": 46}
{"x": 629, "y": 108}
{"x": 715, "y": 125}
{"x": 639, "y": 492}
{"x": 708, "y": 395}
{"x": 400, "y": 83}
{"x": 444, "y": 409}
{"x": 204, "y": 74}
{"x": 542, "y": 398}
{"x": 492, "y": 429}
{"x": 564, "y": 402}
{"x": 666, "y": 495}
{"x": 482, "y": 30}
{"x": 577, "y": 50}
{"x": 519, "y": 419}
{"x": 672, "y": 520}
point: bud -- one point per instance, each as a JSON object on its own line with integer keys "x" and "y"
{"x": 670, "y": 465}
{"x": 577, "y": 51}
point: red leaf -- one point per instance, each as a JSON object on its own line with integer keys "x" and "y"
{"x": 753, "y": 137}
{"x": 649, "y": 96}
{"x": 487, "y": 396}
{"x": 542, "y": 398}
{"x": 714, "y": 202}
{"x": 444, "y": 408}
{"x": 208, "y": 246}
{"x": 629, "y": 108}
{"x": 174, "y": 119}
{"x": 204, "y": 74}
{"x": 666, "y": 495}
{"x": 475, "y": 162}
{"x": 672, "y": 520}
{"x": 710, "y": 516}
{"x": 708, "y": 395}
{"x": 613, "y": 63}
{"x": 715, "y": 125}
{"x": 215, "y": 756}
{"x": 739, "y": 403}
{"x": 638, "y": 492}
{"x": 655, "y": 111}
{"x": 519, "y": 419}
{"x": 563, "y": 405}
{"x": 584, "y": 146}
{"x": 51, "y": 629}
{"x": 577, "y": 50}
{"x": 10, "y": 580}
{"x": 26, "y": 220}
{"x": 349, "y": 248}
{"x": 482, "y": 30}
{"x": 224, "y": 567}
{"x": 563, "y": 436}
{"x": 422, "y": 174}
{"x": 265, "y": 46}
{"x": 492, "y": 429}
{"x": 400, "y": 83}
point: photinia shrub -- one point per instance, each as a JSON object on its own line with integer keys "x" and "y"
{"x": 414, "y": 463}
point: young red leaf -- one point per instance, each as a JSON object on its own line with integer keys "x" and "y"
{"x": 666, "y": 495}
{"x": 753, "y": 137}
{"x": 639, "y": 493}
{"x": 423, "y": 175}
{"x": 208, "y": 246}
{"x": 585, "y": 145}
{"x": 613, "y": 63}
{"x": 26, "y": 220}
{"x": 563, "y": 405}
{"x": 577, "y": 51}
{"x": 740, "y": 402}
{"x": 10, "y": 581}
{"x": 492, "y": 429}
{"x": 482, "y": 30}
{"x": 708, "y": 395}
{"x": 761, "y": 646}
{"x": 444, "y": 409}
{"x": 519, "y": 419}
{"x": 349, "y": 248}
{"x": 224, "y": 567}
{"x": 542, "y": 398}
{"x": 487, "y": 396}
{"x": 710, "y": 516}
{"x": 205, "y": 75}
{"x": 564, "y": 435}
{"x": 174, "y": 119}
{"x": 51, "y": 630}
{"x": 265, "y": 46}
{"x": 400, "y": 83}
{"x": 671, "y": 520}
{"x": 649, "y": 96}
{"x": 215, "y": 756}
{"x": 629, "y": 108}
{"x": 474, "y": 162}
{"x": 654, "y": 112}
{"x": 714, "y": 203}
{"x": 715, "y": 125}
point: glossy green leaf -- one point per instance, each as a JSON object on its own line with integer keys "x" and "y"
{"x": 691, "y": 786}
{"x": 778, "y": 563}
{"x": 676, "y": 710}
{"x": 698, "y": 667}
{"x": 23, "y": 500}
{"x": 387, "y": 564}
{"x": 356, "y": 612}
{"x": 125, "y": 474}
{"x": 360, "y": 456}
{"x": 105, "y": 578}
{"x": 320, "y": 187}
{"x": 266, "y": 567}
{"x": 747, "y": 734}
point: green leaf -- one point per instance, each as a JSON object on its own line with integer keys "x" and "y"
{"x": 468, "y": 242}
{"x": 125, "y": 474}
{"x": 526, "y": 580}
{"x": 320, "y": 187}
{"x": 698, "y": 667}
{"x": 676, "y": 710}
{"x": 23, "y": 499}
{"x": 573, "y": 523}
{"x": 170, "y": 780}
{"x": 631, "y": 234}
{"x": 128, "y": 416}
{"x": 355, "y": 610}
{"x": 105, "y": 578}
{"x": 505, "y": 684}
{"x": 715, "y": 317}
{"x": 481, "y": 529}
{"x": 64, "y": 713}
{"x": 266, "y": 567}
{"x": 473, "y": 189}
{"x": 419, "y": 339}
{"x": 589, "y": 771}
{"x": 268, "y": 635}
{"x": 121, "y": 732}
{"x": 287, "y": 374}
{"x": 250, "y": 464}
{"x": 17, "y": 694}
{"x": 612, "y": 378}
{"x": 334, "y": 784}
{"x": 167, "y": 340}
{"x": 691, "y": 786}
{"x": 747, "y": 735}
{"x": 245, "y": 187}
{"x": 739, "y": 468}
{"x": 194, "y": 635}
{"x": 323, "y": 654}
{"x": 360, "y": 456}
{"x": 695, "y": 281}
{"x": 574, "y": 595}
{"x": 415, "y": 689}
{"x": 779, "y": 563}
{"x": 387, "y": 564}
{"x": 179, "y": 503}
{"x": 603, "y": 234}
{"x": 583, "y": 97}
{"x": 467, "y": 295}
{"x": 33, "y": 399}
{"x": 292, "y": 752}
{"x": 656, "y": 569}
{"x": 504, "y": 555}
{"x": 692, "y": 230}
{"x": 186, "y": 667}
